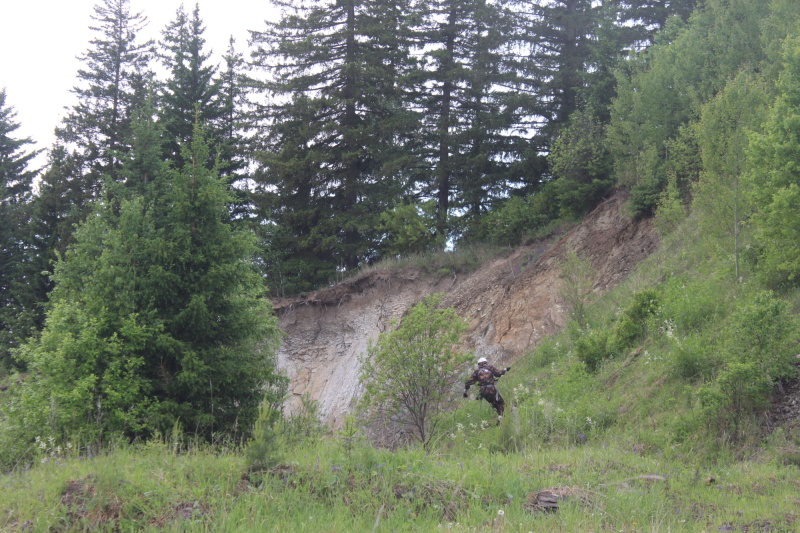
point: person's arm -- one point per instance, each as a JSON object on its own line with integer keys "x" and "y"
{"x": 497, "y": 373}
{"x": 472, "y": 379}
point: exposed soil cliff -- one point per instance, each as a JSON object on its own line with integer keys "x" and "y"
{"x": 511, "y": 303}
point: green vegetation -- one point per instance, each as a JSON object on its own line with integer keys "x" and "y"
{"x": 409, "y": 375}
{"x": 140, "y": 402}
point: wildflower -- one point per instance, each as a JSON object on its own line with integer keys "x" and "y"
{"x": 500, "y": 512}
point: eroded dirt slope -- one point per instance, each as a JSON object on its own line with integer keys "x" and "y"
{"x": 511, "y": 303}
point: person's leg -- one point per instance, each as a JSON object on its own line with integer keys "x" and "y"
{"x": 495, "y": 400}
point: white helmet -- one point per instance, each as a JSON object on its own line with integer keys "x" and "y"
{"x": 482, "y": 360}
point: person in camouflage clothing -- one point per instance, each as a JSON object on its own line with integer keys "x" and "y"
{"x": 485, "y": 376}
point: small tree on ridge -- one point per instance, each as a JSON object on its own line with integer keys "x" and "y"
{"x": 411, "y": 372}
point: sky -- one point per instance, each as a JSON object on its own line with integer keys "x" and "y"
{"x": 40, "y": 41}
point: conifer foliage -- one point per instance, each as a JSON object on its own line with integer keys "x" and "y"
{"x": 112, "y": 84}
{"x": 16, "y": 299}
{"x": 329, "y": 163}
{"x": 157, "y": 316}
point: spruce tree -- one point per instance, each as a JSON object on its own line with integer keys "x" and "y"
{"x": 158, "y": 315}
{"x": 112, "y": 84}
{"x": 334, "y": 124}
{"x": 229, "y": 128}
{"x": 470, "y": 112}
{"x": 16, "y": 301}
{"x": 191, "y": 93}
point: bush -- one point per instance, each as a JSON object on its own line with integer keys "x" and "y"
{"x": 691, "y": 303}
{"x": 740, "y": 392}
{"x": 581, "y": 164}
{"x": 517, "y": 219}
{"x": 302, "y": 426}
{"x": 763, "y": 332}
{"x": 693, "y": 358}
{"x": 262, "y": 452}
{"x": 592, "y": 349}
{"x": 631, "y": 323}
{"x": 411, "y": 229}
{"x": 409, "y": 376}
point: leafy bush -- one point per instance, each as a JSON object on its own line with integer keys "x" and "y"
{"x": 303, "y": 426}
{"x": 517, "y": 219}
{"x": 591, "y": 348}
{"x": 631, "y": 323}
{"x": 411, "y": 228}
{"x": 694, "y": 358}
{"x": 690, "y": 304}
{"x": 763, "y": 332}
{"x": 409, "y": 375}
{"x": 729, "y": 404}
{"x": 581, "y": 164}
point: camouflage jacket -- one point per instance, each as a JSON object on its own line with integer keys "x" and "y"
{"x": 483, "y": 376}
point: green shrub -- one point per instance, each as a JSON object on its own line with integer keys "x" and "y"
{"x": 690, "y": 304}
{"x": 592, "y": 348}
{"x": 626, "y": 330}
{"x": 303, "y": 426}
{"x": 763, "y": 332}
{"x": 411, "y": 228}
{"x": 517, "y": 218}
{"x": 262, "y": 452}
{"x": 545, "y": 353}
{"x": 694, "y": 358}
{"x": 631, "y": 323}
{"x": 731, "y": 402}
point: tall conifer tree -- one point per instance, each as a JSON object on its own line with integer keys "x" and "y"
{"x": 192, "y": 92}
{"x": 158, "y": 316}
{"x": 112, "y": 84}
{"x": 335, "y": 121}
{"x": 471, "y": 114}
{"x": 16, "y": 302}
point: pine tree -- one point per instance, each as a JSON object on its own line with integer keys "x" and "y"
{"x": 648, "y": 17}
{"x": 558, "y": 34}
{"x": 54, "y": 212}
{"x": 15, "y": 200}
{"x": 157, "y": 317}
{"x": 336, "y": 121}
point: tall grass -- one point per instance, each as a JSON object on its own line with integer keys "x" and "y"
{"x": 322, "y": 487}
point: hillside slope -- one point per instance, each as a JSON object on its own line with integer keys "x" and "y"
{"x": 510, "y": 303}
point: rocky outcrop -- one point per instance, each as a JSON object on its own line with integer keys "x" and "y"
{"x": 510, "y": 303}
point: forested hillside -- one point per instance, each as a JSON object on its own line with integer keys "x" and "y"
{"x": 137, "y": 267}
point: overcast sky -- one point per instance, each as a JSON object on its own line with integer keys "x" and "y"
{"x": 40, "y": 41}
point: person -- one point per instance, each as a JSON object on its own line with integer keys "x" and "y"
{"x": 485, "y": 376}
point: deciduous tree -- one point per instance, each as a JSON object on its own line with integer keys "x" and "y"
{"x": 410, "y": 374}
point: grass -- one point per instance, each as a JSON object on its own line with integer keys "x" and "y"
{"x": 323, "y": 487}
